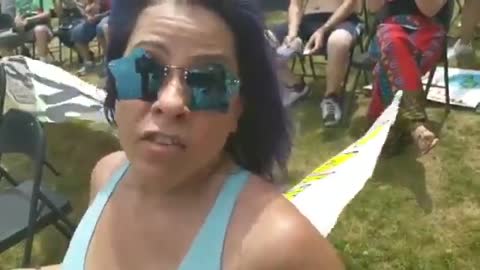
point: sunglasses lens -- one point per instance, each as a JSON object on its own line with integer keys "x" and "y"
{"x": 209, "y": 88}
{"x": 127, "y": 81}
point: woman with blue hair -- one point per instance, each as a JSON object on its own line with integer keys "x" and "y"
{"x": 193, "y": 93}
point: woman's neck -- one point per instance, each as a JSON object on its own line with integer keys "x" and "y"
{"x": 175, "y": 186}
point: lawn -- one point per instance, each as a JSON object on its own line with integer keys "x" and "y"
{"x": 413, "y": 214}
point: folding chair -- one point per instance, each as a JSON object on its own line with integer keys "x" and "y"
{"x": 29, "y": 205}
{"x": 3, "y": 90}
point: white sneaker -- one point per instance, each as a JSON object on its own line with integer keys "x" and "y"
{"x": 331, "y": 112}
{"x": 292, "y": 94}
{"x": 459, "y": 49}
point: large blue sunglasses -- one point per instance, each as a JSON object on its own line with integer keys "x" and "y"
{"x": 138, "y": 76}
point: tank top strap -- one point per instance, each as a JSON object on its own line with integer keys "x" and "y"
{"x": 78, "y": 248}
{"x": 207, "y": 249}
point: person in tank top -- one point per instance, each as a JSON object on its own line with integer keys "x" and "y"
{"x": 201, "y": 125}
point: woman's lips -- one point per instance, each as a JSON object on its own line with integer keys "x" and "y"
{"x": 162, "y": 139}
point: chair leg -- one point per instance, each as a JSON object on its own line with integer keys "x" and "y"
{"x": 51, "y": 168}
{"x": 294, "y": 63}
{"x": 61, "y": 228}
{"x": 431, "y": 74}
{"x": 8, "y": 177}
{"x": 32, "y": 221}
{"x": 349, "y": 95}
{"x": 57, "y": 211}
{"x": 447, "y": 83}
{"x": 302, "y": 65}
{"x": 312, "y": 66}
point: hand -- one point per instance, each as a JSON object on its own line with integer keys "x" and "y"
{"x": 289, "y": 39}
{"x": 91, "y": 19}
{"x": 315, "y": 42}
{"x": 20, "y": 23}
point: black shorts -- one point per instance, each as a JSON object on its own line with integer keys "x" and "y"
{"x": 311, "y": 22}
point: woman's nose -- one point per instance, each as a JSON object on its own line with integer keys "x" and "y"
{"x": 172, "y": 98}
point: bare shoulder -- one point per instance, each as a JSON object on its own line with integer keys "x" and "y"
{"x": 103, "y": 171}
{"x": 282, "y": 238}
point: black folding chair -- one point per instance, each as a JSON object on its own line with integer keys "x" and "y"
{"x": 29, "y": 206}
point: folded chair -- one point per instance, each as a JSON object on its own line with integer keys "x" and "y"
{"x": 29, "y": 206}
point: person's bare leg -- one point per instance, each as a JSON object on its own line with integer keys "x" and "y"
{"x": 470, "y": 19}
{"x": 338, "y": 50}
{"x": 42, "y": 38}
{"x": 84, "y": 51}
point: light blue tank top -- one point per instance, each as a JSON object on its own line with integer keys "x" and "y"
{"x": 207, "y": 248}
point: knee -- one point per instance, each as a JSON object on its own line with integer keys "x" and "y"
{"x": 102, "y": 30}
{"x": 41, "y": 31}
{"x": 340, "y": 40}
{"x": 387, "y": 37}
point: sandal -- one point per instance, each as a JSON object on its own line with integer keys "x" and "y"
{"x": 424, "y": 139}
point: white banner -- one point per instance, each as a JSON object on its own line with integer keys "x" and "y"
{"x": 48, "y": 91}
{"x": 325, "y": 192}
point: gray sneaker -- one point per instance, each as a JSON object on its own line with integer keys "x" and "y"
{"x": 88, "y": 67}
{"x": 331, "y": 111}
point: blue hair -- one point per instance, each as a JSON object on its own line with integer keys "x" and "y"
{"x": 262, "y": 140}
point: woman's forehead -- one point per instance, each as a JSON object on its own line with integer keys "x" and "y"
{"x": 186, "y": 31}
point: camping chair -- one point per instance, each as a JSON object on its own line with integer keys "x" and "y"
{"x": 29, "y": 205}
{"x": 365, "y": 64}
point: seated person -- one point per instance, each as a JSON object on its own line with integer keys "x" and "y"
{"x": 9, "y": 39}
{"x": 95, "y": 14}
{"x": 69, "y": 15}
{"x": 470, "y": 19}
{"x": 34, "y": 20}
{"x": 408, "y": 43}
{"x": 328, "y": 26}
{"x": 200, "y": 198}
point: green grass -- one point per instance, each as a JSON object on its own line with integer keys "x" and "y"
{"x": 413, "y": 214}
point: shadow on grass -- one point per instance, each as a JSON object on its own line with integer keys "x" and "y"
{"x": 393, "y": 171}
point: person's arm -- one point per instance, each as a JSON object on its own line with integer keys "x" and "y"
{"x": 41, "y": 17}
{"x": 316, "y": 41}
{"x": 102, "y": 15}
{"x": 346, "y": 9}
{"x": 430, "y": 8}
{"x": 375, "y": 5}
{"x": 58, "y": 8}
{"x": 295, "y": 13}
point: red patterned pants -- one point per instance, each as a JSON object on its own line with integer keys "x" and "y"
{"x": 406, "y": 48}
